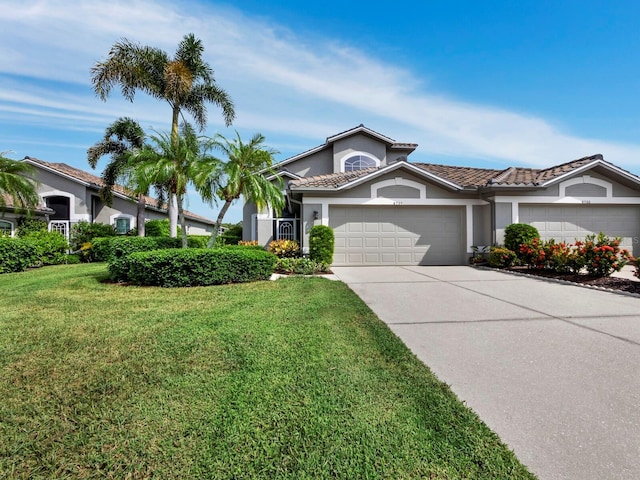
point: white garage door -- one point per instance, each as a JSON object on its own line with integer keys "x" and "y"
{"x": 567, "y": 223}
{"x": 397, "y": 235}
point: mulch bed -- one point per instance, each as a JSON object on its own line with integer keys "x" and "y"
{"x": 612, "y": 283}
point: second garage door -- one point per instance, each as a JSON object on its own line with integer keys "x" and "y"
{"x": 397, "y": 235}
{"x": 567, "y": 223}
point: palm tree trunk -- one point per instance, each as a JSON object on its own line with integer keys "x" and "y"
{"x": 173, "y": 216}
{"x": 216, "y": 227}
{"x": 183, "y": 226}
{"x": 142, "y": 202}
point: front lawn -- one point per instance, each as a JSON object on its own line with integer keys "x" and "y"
{"x": 289, "y": 379}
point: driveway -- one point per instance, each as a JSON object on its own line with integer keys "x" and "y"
{"x": 553, "y": 369}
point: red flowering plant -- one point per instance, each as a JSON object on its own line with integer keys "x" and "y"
{"x": 533, "y": 254}
{"x": 603, "y": 255}
{"x": 561, "y": 258}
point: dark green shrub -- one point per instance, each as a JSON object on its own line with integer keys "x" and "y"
{"x": 321, "y": 242}
{"x": 284, "y": 248}
{"x": 196, "y": 267}
{"x": 300, "y": 266}
{"x": 99, "y": 250}
{"x": 518, "y": 233}
{"x": 500, "y": 257}
{"x": 198, "y": 241}
{"x": 17, "y": 254}
{"x": 72, "y": 259}
{"x": 157, "y": 228}
{"x": 84, "y": 232}
{"x": 52, "y": 247}
{"x": 29, "y": 226}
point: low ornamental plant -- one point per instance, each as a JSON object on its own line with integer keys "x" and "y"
{"x": 501, "y": 257}
{"x": 602, "y": 255}
{"x": 284, "y": 248}
{"x": 300, "y": 266}
{"x": 248, "y": 243}
{"x": 518, "y": 233}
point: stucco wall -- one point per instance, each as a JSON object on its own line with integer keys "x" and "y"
{"x": 308, "y": 221}
{"x": 482, "y": 225}
{"x": 319, "y": 163}
{"x": 358, "y": 143}
{"x": 502, "y": 219}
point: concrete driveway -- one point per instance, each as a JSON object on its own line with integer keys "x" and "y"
{"x": 553, "y": 369}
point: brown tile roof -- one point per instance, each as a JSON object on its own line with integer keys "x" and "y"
{"x": 97, "y": 183}
{"x": 332, "y": 180}
{"x": 469, "y": 177}
{"x": 8, "y": 203}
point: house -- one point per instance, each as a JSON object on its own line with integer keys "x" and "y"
{"x": 385, "y": 210}
{"x": 69, "y": 195}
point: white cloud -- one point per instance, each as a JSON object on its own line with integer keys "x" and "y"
{"x": 292, "y": 89}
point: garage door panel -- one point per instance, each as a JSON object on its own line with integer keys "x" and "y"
{"x": 398, "y": 235}
{"x": 568, "y": 223}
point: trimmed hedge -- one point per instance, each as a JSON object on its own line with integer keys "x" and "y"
{"x": 17, "y": 254}
{"x": 196, "y": 267}
{"x": 321, "y": 242}
{"x": 518, "y": 233}
{"x": 104, "y": 249}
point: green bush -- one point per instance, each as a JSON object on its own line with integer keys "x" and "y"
{"x": 196, "y": 267}
{"x": 197, "y": 241}
{"x": 157, "y": 228}
{"x": 321, "y": 242}
{"x": 73, "y": 259}
{"x": 98, "y": 250}
{"x": 518, "y": 233}
{"x": 17, "y": 254}
{"x": 500, "y": 257}
{"x": 84, "y": 232}
{"x": 30, "y": 226}
{"x": 532, "y": 253}
{"x": 284, "y": 248}
{"x": 300, "y": 266}
{"x": 52, "y": 247}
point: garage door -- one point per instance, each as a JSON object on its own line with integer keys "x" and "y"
{"x": 566, "y": 223}
{"x": 397, "y": 235}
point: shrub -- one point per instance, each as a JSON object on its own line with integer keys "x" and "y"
{"x": 563, "y": 258}
{"x": 300, "y": 266}
{"x": 518, "y": 233}
{"x": 500, "y": 257}
{"x": 197, "y": 241}
{"x": 99, "y": 250}
{"x": 72, "y": 259}
{"x": 197, "y": 267}
{"x": 602, "y": 255}
{"x": 29, "y": 226}
{"x": 16, "y": 254}
{"x": 284, "y": 248}
{"x": 248, "y": 243}
{"x": 52, "y": 247}
{"x": 83, "y": 232}
{"x": 157, "y": 228}
{"x": 532, "y": 254}
{"x": 321, "y": 243}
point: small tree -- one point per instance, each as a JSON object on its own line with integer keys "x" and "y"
{"x": 321, "y": 243}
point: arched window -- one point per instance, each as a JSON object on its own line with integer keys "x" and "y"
{"x": 358, "y": 162}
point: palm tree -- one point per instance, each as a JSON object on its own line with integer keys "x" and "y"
{"x": 185, "y": 81}
{"x": 121, "y": 140}
{"x": 244, "y": 173}
{"x": 17, "y": 184}
{"x": 176, "y": 164}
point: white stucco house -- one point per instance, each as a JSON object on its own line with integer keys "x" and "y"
{"x": 387, "y": 210}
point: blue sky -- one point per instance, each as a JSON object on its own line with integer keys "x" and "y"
{"x": 473, "y": 83}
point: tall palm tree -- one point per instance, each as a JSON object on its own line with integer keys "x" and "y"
{"x": 185, "y": 81}
{"x": 177, "y": 164}
{"x": 244, "y": 173}
{"x": 17, "y": 184}
{"x": 121, "y": 140}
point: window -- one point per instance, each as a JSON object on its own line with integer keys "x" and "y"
{"x": 358, "y": 162}
{"x": 123, "y": 225}
{"x": 5, "y": 229}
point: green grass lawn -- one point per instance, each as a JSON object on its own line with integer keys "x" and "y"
{"x": 289, "y": 379}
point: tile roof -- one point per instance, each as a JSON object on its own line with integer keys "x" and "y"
{"x": 469, "y": 177}
{"x": 8, "y": 203}
{"x": 96, "y": 182}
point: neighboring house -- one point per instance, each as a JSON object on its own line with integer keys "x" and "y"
{"x": 70, "y": 195}
{"x": 385, "y": 210}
